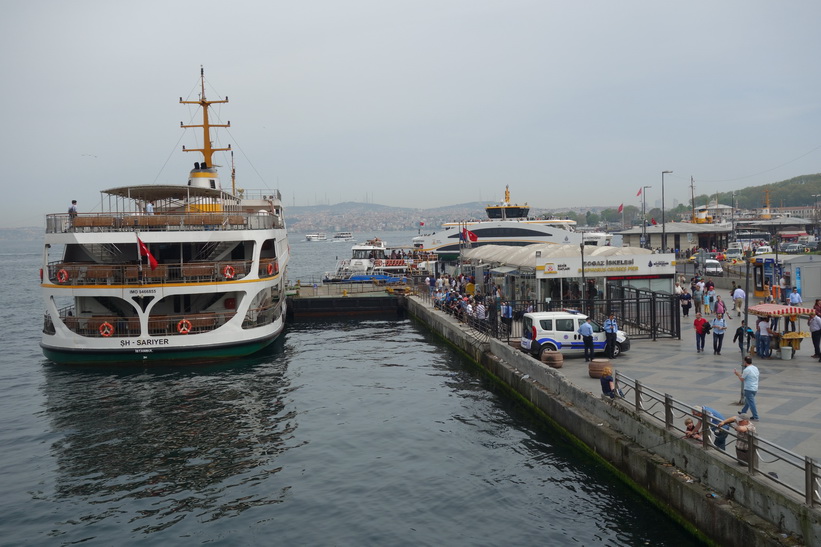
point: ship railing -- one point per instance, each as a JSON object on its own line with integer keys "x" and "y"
{"x": 115, "y": 326}
{"x": 84, "y": 274}
{"x": 800, "y": 475}
{"x": 119, "y": 222}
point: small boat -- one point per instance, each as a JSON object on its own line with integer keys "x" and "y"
{"x": 196, "y": 277}
{"x": 507, "y": 224}
{"x": 343, "y": 236}
{"x": 316, "y": 237}
{"x": 374, "y": 261}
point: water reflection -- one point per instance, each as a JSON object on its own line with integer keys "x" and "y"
{"x": 162, "y": 443}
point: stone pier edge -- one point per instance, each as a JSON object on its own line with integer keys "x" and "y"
{"x": 746, "y": 510}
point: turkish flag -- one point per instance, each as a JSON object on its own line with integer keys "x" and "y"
{"x": 145, "y": 252}
{"x": 468, "y": 235}
{"x": 639, "y": 192}
{"x": 621, "y": 207}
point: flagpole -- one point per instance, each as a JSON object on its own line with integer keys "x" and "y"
{"x": 139, "y": 258}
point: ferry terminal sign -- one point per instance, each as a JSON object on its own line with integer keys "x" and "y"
{"x": 637, "y": 265}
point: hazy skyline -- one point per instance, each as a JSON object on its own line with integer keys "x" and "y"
{"x": 411, "y": 104}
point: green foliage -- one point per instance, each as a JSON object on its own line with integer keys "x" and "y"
{"x": 794, "y": 192}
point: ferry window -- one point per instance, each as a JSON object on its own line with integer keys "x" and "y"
{"x": 565, "y": 325}
{"x": 213, "y": 184}
{"x": 546, "y": 324}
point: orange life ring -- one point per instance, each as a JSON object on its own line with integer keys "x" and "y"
{"x": 106, "y": 329}
{"x": 378, "y": 262}
{"x": 270, "y": 269}
{"x": 276, "y": 267}
{"x": 184, "y": 326}
{"x": 62, "y": 276}
{"x": 228, "y": 272}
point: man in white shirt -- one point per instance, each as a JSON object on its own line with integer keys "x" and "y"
{"x": 738, "y": 299}
{"x": 750, "y": 380}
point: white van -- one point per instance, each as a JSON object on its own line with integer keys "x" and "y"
{"x": 734, "y": 253}
{"x": 558, "y": 331}
{"x": 763, "y": 250}
{"x": 712, "y": 268}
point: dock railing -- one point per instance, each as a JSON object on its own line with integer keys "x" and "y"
{"x": 798, "y": 474}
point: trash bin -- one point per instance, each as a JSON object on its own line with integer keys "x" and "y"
{"x": 786, "y": 353}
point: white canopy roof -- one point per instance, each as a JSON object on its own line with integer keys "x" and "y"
{"x": 526, "y": 256}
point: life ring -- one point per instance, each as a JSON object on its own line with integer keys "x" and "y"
{"x": 378, "y": 262}
{"x": 106, "y": 329}
{"x": 270, "y": 269}
{"x": 276, "y": 267}
{"x": 184, "y": 326}
{"x": 228, "y": 272}
{"x": 62, "y": 276}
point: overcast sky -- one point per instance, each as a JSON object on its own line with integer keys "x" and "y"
{"x": 410, "y": 103}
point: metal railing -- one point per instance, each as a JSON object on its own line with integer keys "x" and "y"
{"x": 641, "y": 314}
{"x": 798, "y": 474}
{"x": 124, "y": 222}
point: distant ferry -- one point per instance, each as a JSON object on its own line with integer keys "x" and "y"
{"x": 316, "y": 237}
{"x": 507, "y": 224}
{"x": 374, "y": 261}
{"x": 343, "y": 236}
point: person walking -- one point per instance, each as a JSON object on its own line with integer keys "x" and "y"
{"x": 586, "y": 332}
{"x": 611, "y": 328}
{"x": 701, "y": 327}
{"x": 740, "y": 333}
{"x": 814, "y": 324}
{"x": 749, "y": 377}
{"x": 719, "y": 327}
{"x": 738, "y": 299}
{"x": 686, "y": 302}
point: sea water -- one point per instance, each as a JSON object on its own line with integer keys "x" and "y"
{"x": 366, "y": 431}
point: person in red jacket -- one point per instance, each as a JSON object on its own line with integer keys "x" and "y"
{"x": 701, "y": 327}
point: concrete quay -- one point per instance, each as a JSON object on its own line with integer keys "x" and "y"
{"x": 705, "y": 489}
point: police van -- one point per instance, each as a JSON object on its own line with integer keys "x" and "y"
{"x": 559, "y": 331}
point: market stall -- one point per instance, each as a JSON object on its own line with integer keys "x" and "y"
{"x": 793, "y": 313}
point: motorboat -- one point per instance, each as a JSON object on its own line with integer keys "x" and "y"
{"x": 375, "y": 261}
{"x": 198, "y": 276}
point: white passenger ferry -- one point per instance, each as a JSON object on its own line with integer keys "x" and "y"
{"x": 507, "y": 224}
{"x": 316, "y": 237}
{"x": 343, "y": 237}
{"x": 200, "y": 279}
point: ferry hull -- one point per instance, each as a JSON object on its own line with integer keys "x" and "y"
{"x": 158, "y": 355}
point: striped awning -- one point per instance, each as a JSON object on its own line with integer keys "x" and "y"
{"x": 778, "y": 310}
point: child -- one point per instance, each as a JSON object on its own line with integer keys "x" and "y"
{"x": 690, "y": 431}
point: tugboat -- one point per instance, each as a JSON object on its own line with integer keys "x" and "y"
{"x": 167, "y": 273}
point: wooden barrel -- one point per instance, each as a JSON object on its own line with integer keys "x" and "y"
{"x": 596, "y": 366}
{"x": 553, "y": 359}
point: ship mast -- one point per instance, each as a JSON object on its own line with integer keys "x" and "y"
{"x": 207, "y": 150}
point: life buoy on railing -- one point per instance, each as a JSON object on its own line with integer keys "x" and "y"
{"x": 270, "y": 269}
{"x": 378, "y": 262}
{"x": 228, "y": 272}
{"x": 106, "y": 329}
{"x": 276, "y": 267}
{"x": 184, "y": 326}
{"x": 62, "y": 276}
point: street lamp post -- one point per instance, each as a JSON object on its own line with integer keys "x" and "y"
{"x": 644, "y": 215}
{"x": 663, "y": 223}
{"x": 583, "y": 290}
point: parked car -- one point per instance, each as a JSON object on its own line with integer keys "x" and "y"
{"x": 764, "y": 249}
{"x": 794, "y": 248}
{"x": 712, "y": 268}
{"x": 558, "y": 331}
